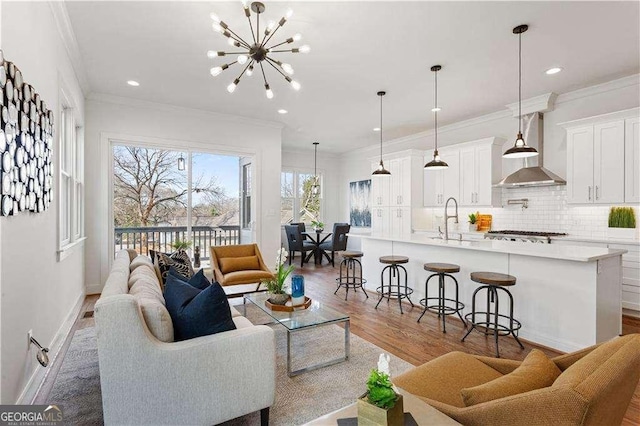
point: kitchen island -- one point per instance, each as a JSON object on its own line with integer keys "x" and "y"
{"x": 566, "y": 297}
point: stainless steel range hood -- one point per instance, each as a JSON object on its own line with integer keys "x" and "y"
{"x": 536, "y": 175}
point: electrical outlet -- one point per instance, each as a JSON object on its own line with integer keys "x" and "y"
{"x": 29, "y": 336}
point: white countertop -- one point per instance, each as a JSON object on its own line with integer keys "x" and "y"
{"x": 575, "y": 253}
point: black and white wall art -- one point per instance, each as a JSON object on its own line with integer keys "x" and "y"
{"x": 26, "y": 140}
{"x": 360, "y": 199}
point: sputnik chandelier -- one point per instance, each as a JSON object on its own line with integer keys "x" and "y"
{"x": 257, "y": 52}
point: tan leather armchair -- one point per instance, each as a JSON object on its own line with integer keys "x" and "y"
{"x": 595, "y": 387}
{"x": 238, "y": 264}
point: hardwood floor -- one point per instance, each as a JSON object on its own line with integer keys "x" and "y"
{"x": 385, "y": 327}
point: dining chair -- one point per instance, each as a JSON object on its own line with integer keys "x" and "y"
{"x": 338, "y": 241}
{"x": 303, "y": 228}
{"x": 297, "y": 243}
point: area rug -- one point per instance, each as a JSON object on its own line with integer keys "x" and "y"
{"x": 298, "y": 399}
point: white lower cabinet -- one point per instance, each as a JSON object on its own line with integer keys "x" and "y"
{"x": 380, "y": 223}
{"x": 400, "y": 219}
{"x": 630, "y": 275}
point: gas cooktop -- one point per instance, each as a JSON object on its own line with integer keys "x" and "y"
{"x": 528, "y": 233}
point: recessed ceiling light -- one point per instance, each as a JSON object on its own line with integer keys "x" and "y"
{"x": 552, "y": 71}
{"x": 376, "y": 129}
{"x": 133, "y": 83}
{"x": 282, "y": 111}
{"x": 436, "y": 109}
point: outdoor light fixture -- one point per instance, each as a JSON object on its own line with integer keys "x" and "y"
{"x": 520, "y": 149}
{"x": 381, "y": 171}
{"x": 41, "y": 356}
{"x": 315, "y": 188}
{"x": 436, "y": 163}
{"x": 256, "y": 52}
{"x": 181, "y": 163}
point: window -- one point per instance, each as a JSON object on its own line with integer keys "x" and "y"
{"x": 71, "y": 213}
{"x": 298, "y": 204}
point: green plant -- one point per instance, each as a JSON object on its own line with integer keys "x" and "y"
{"x": 316, "y": 224}
{"x": 473, "y": 218}
{"x": 181, "y": 244}
{"x": 622, "y": 217}
{"x": 276, "y": 284}
{"x": 380, "y": 390}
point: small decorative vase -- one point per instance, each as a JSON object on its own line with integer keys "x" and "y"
{"x": 196, "y": 257}
{"x": 473, "y": 227}
{"x": 279, "y": 299}
{"x": 622, "y": 233}
{"x": 372, "y": 415}
{"x": 297, "y": 290}
{"x": 319, "y": 229}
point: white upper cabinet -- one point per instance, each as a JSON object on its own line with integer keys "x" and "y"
{"x": 442, "y": 184}
{"x": 608, "y": 162}
{"x": 603, "y": 159}
{"x": 632, "y": 160}
{"x": 380, "y": 185}
{"x": 580, "y": 165}
{"x": 468, "y": 176}
{"x": 480, "y": 169}
{"x": 400, "y": 169}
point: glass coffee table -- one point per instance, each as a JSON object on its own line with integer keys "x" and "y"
{"x": 315, "y": 316}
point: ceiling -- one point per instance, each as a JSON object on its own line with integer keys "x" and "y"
{"x": 358, "y": 48}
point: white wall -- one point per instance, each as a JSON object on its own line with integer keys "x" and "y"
{"x": 111, "y": 118}
{"x": 38, "y": 292}
{"x": 601, "y": 99}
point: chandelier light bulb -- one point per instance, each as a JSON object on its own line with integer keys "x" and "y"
{"x": 289, "y": 13}
{"x": 287, "y": 68}
{"x": 217, "y": 28}
{"x": 268, "y": 91}
{"x": 242, "y": 59}
{"x": 231, "y": 41}
{"x": 295, "y": 85}
{"x": 215, "y": 18}
{"x": 305, "y": 49}
{"x": 212, "y": 54}
{"x": 297, "y": 37}
{"x": 250, "y": 71}
{"x": 232, "y": 87}
{"x": 245, "y": 4}
{"x": 270, "y": 27}
{"x": 215, "y": 71}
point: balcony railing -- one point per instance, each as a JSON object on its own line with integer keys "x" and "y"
{"x": 161, "y": 238}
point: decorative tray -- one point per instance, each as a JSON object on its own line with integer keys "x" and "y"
{"x": 288, "y": 307}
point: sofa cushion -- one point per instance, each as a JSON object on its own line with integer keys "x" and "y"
{"x": 198, "y": 280}
{"x": 139, "y": 261}
{"x": 246, "y": 277}
{"x": 179, "y": 260}
{"x": 442, "y": 379}
{"x": 242, "y": 322}
{"x": 118, "y": 279}
{"x": 536, "y": 372}
{"x": 143, "y": 271}
{"x": 244, "y": 263}
{"x": 197, "y": 312}
{"x": 156, "y": 317}
{"x": 148, "y": 288}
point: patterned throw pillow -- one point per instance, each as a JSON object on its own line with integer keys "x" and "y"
{"x": 179, "y": 260}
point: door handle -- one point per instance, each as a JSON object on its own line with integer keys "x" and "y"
{"x": 589, "y": 193}
{"x": 597, "y": 193}
{"x": 399, "y": 213}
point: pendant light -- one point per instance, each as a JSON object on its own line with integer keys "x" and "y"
{"x": 436, "y": 163}
{"x": 181, "y": 163}
{"x": 381, "y": 171}
{"x": 315, "y": 188}
{"x": 520, "y": 149}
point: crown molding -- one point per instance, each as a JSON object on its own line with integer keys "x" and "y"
{"x": 602, "y": 118}
{"x": 542, "y": 103}
{"x": 65, "y": 29}
{"x": 620, "y": 83}
{"x": 138, "y": 103}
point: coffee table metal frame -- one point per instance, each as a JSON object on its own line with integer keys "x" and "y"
{"x": 258, "y": 300}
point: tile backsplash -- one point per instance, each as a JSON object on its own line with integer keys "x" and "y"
{"x": 548, "y": 211}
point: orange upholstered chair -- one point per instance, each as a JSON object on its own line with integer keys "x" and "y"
{"x": 239, "y": 264}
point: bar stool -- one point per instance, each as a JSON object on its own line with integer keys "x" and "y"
{"x": 354, "y": 281}
{"x": 442, "y": 270}
{"x": 493, "y": 282}
{"x": 395, "y": 270}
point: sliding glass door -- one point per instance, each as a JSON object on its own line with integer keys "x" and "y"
{"x": 164, "y": 200}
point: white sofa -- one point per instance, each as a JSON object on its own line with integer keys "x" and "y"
{"x": 146, "y": 378}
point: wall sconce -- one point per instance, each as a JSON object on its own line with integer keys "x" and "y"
{"x": 41, "y": 356}
{"x": 181, "y": 165}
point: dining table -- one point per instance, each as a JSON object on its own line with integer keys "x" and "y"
{"x": 317, "y": 237}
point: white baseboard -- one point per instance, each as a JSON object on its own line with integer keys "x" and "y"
{"x": 93, "y": 289}
{"x": 37, "y": 378}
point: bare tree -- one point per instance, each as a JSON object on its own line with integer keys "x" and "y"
{"x": 149, "y": 188}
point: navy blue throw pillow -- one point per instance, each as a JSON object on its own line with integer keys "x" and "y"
{"x": 198, "y": 280}
{"x": 197, "y": 312}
